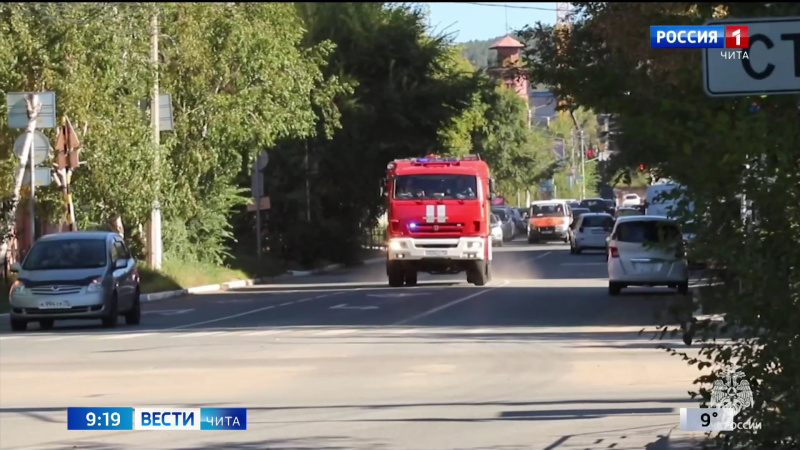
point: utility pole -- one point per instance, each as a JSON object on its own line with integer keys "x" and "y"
{"x": 154, "y": 227}
{"x": 32, "y": 168}
{"x": 583, "y": 165}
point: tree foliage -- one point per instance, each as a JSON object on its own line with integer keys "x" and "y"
{"x": 717, "y": 148}
{"x": 325, "y": 190}
{"x": 240, "y": 77}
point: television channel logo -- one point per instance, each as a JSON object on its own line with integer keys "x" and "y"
{"x": 700, "y": 36}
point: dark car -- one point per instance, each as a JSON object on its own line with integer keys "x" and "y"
{"x": 596, "y": 205}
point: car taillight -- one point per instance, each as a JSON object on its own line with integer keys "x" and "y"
{"x": 613, "y": 252}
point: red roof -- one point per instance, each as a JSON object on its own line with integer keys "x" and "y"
{"x": 507, "y": 42}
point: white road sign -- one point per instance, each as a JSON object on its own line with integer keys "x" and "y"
{"x": 17, "y": 109}
{"x": 771, "y": 64}
{"x": 42, "y": 177}
{"x": 41, "y": 147}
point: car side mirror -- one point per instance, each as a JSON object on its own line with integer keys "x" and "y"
{"x": 121, "y": 264}
{"x": 15, "y": 268}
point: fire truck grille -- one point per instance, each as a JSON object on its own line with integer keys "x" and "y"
{"x": 439, "y": 228}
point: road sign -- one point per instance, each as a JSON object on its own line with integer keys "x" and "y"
{"x": 165, "y": 121}
{"x": 42, "y": 177}
{"x": 17, "y": 109}
{"x": 262, "y": 160}
{"x": 771, "y": 64}
{"x": 67, "y": 139}
{"x": 165, "y": 118}
{"x": 41, "y": 147}
{"x": 263, "y": 205}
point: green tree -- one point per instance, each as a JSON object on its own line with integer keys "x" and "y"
{"x": 325, "y": 191}
{"x": 241, "y": 78}
{"x": 717, "y": 148}
{"x": 92, "y": 57}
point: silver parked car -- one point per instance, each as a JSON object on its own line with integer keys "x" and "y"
{"x": 78, "y": 275}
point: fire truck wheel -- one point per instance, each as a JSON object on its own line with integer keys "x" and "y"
{"x": 395, "y": 272}
{"x": 411, "y": 277}
{"x": 480, "y": 273}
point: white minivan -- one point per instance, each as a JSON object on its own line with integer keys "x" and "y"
{"x": 646, "y": 251}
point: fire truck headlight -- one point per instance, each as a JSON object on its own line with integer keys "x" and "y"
{"x": 474, "y": 244}
{"x": 397, "y": 245}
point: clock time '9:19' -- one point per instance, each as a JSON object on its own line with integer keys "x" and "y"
{"x": 100, "y": 418}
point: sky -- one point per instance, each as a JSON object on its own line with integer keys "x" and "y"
{"x": 486, "y": 20}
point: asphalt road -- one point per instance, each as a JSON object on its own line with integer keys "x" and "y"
{"x": 541, "y": 358}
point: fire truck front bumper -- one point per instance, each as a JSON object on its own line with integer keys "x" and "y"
{"x": 464, "y": 249}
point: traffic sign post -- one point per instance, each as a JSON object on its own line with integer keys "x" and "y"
{"x": 262, "y": 159}
{"x": 771, "y": 64}
{"x": 67, "y": 146}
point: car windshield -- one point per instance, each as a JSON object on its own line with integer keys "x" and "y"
{"x": 435, "y": 186}
{"x": 628, "y": 212}
{"x": 577, "y": 212}
{"x": 598, "y": 222}
{"x": 67, "y": 254}
{"x": 610, "y": 203}
{"x": 650, "y": 231}
{"x": 574, "y": 205}
{"x": 547, "y": 210}
{"x": 594, "y": 204}
{"x": 500, "y": 214}
{"x": 494, "y": 220}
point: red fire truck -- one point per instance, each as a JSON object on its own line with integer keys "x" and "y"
{"x": 438, "y": 219}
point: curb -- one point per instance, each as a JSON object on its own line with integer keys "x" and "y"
{"x": 155, "y": 296}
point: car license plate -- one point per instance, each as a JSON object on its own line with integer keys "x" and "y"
{"x": 54, "y": 304}
{"x": 436, "y": 253}
{"x": 647, "y": 268}
{"x": 546, "y": 231}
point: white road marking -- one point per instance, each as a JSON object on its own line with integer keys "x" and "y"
{"x": 220, "y": 319}
{"x": 333, "y": 332}
{"x": 286, "y": 304}
{"x": 60, "y": 338}
{"x": 8, "y": 338}
{"x": 448, "y": 305}
{"x": 265, "y": 332}
{"x": 542, "y": 255}
{"x": 304, "y": 300}
{"x": 126, "y": 336}
{"x": 345, "y": 306}
{"x": 169, "y": 312}
{"x": 400, "y": 295}
{"x": 193, "y": 335}
{"x": 585, "y": 264}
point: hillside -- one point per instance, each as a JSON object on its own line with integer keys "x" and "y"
{"x": 478, "y": 53}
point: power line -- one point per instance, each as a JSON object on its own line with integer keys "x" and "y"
{"x": 502, "y": 5}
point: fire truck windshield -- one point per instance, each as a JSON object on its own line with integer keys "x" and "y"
{"x": 435, "y": 186}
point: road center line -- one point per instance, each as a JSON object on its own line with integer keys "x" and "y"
{"x": 448, "y": 305}
{"x": 542, "y": 255}
{"x": 220, "y": 319}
